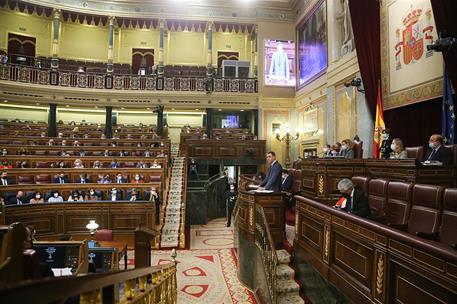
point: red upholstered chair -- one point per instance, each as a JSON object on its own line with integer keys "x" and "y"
{"x": 25, "y": 180}
{"x": 155, "y": 178}
{"x": 40, "y": 164}
{"x": 415, "y": 152}
{"x": 377, "y": 197}
{"x": 129, "y": 164}
{"x": 398, "y": 204}
{"x": 426, "y": 210}
{"x": 361, "y": 183}
{"x": 448, "y": 229}
{"x": 358, "y": 150}
{"x": 43, "y": 179}
{"x": 104, "y": 235}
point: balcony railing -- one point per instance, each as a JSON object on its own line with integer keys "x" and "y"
{"x": 73, "y": 79}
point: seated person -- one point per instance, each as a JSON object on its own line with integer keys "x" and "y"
{"x": 64, "y": 143}
{"x": 138, "y": 179}
{"x": 5, "y": 181}
{"x": 134, "y": 195}
{"x": 398, "y": 150}
{"x": 286, "y": 181}
{"x": 37, "y": 198}
{"x": 353, "y": 200}
{"x": 327, "y": 151}
{"x": 347, "y": 149}
{"x": 61, "y": 179}
{"x": 82, "y": 153}
{"x": 153, "y": 197}
{"x": 43, "y": 134}
{"x": 92, "y": 196}
{"x": 104, "y": 179}
{"x": 356, "y": 139}
{"x": 155, "y": 164}
{"x": 18, "y": 199}
{"x": 23, "y": 164}
{"x": 336, "y": 149}
{"x": 97, "y": 164}
{"x": 437, "y": 151}
{"x": 78, "y": 163}
{"x": 114, "y": 195}
{"x": 114, "y": 164}
{"x": 4, "y": 152}
{"x": 56, "y": 197}
{"x": 120, "y": 179}
{"x": 76, "y": 144}
{"x": 106, "y": 153}
{"x": 82, "y": 179}
{"x": 60, "y": 135}
{"x": 75, "y": 196}
{"x": 147, "y": 153}
{"x": 141, "y": 165}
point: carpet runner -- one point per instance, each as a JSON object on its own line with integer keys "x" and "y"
{"x": 172, "y": 234}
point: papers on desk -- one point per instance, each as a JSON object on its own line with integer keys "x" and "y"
{"x": 253, "y": 186}
{"x": 262, "y": 191}
{"x": 432, "y": 163}
{"x": 59, "y": 272}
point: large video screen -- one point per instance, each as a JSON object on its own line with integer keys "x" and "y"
{"x": 312, "y": 45}
{"x": 279, "y": 62}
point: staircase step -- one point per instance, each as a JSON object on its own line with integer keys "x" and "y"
{"x": 286, "y": 286}
{"x": 290, "y": 298}
{"x": 283, "y": 256}
{"x": 284, "y": 271}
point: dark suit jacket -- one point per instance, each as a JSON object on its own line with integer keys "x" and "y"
{"x": 78, "y": 180}
{"x": 385, "y": 148}
{"x": 443, "y": 155}
{"x": 359, "y": 204}
{"x": 273, "y": 179}
{"x": 286, "y": 185}
{"x": 13, "y": 200}
{"x": 9, "y": 181}
{"x": 57, "y": 180}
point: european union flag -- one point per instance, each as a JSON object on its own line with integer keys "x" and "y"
{"x": 448, "y": 113}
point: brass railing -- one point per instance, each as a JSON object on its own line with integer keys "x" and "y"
{"x": 42, "y": 76}
{"x": 264, "y": 242}
{"x": 144, "y": 285}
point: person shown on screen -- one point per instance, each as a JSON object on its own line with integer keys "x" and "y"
{"x": 279, "y": 65}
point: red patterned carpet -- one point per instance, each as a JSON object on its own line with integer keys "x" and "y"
{"x": 207, "y": 272}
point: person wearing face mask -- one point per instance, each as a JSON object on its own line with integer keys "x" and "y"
{"x": 327, "y": 151}
{"x": 385, "y": 144}
{"x": 115, "y": 195}
{"x": 347, "y": 149}
{"x": 4, "y": 152}
{"x": 353, "y": 200}
{"x": 38, "y": 198}
{"x": 398, "y": 150}
{"x": 82, "y": 179}
{"x": 61, "y": 179}
{"x": 137, "y": 179}
{"x": 55, "y": 198}
{"x": 286, "y": 181}
{"x": 120, "y": 179}
{"x": 437, "y": 151}
{"x": 75, "y": 196}
{"x": 92, "y": 196}
{"x": 336, "y": 150}
{"x": 134, "y": 195}
{"x": 231, "y": 200}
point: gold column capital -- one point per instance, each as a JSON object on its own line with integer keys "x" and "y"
{"x": 56, "y": 12}
{"x": 162, "y": 22}
{"x": 111, "y": 19}
{"x": 209, "y": 25}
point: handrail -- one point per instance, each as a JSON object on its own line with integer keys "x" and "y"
{"x": 264, "y": 242}
{"x": 212, "y": 179}
{"x": 157, "y": 284}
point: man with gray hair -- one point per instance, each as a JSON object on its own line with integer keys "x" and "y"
{"x": 353, "y": 200}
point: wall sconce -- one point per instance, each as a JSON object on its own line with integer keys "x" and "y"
{"x": 92, "y": 227}
{"x": 286, "y": 136}
{"x": 356, "y": 82}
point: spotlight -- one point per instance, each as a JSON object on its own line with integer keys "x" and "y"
{"x": 356, "y": 82}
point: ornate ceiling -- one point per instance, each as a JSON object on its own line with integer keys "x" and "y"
{"x": 218, "y": 10}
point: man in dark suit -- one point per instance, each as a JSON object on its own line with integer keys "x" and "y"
{"x": 353, "y": 200}
{"x": 286, "y": 182}
{"x": 18, "y": 199}
{"x": 4, "y": 180}
{"x": 273, "y": 179}
{"x": 61, "y": 179}
{"x": 82, "y": 179}
{"x": 385, "y": 148}
{"x": 437, "y": 151}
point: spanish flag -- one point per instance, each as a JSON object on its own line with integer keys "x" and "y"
{"x": 379, "y": 126}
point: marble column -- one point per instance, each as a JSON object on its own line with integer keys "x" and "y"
{"x": 161, "y": 44}
{"x": 109, "y": 66}
{"x": 109, "y": 122}
{"x": 256, "y": 51}
{"x": 255, "y": 114}
{"x": 209, "y": 58}
{"x": 55, "y": 41}
{"x": 52, "y": 120}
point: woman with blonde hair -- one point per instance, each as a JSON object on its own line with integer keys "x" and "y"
{"x": 347, "y": 148}
{"x": 398, "y": 149}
